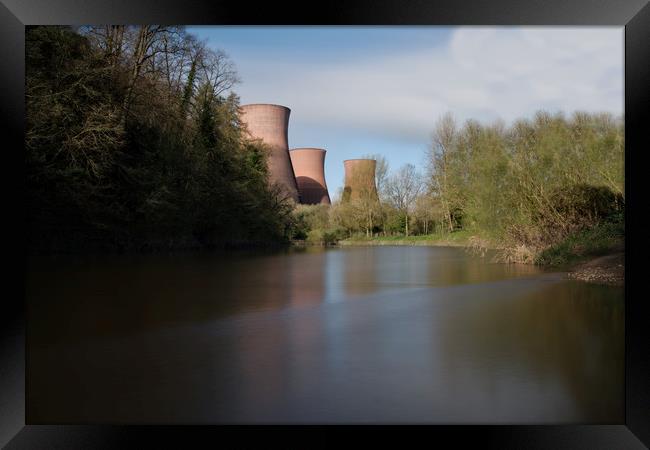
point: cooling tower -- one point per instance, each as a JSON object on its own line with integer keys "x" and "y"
{"x": 270, "y": 123}
{"x": 359, "y": 179}
{"x": 309, "y": 168}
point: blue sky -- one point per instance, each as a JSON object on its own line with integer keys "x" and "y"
{"x": 364, "y": 90}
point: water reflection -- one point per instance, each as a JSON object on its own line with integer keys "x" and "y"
{"x": 307, "y": 277}
{"x": 389, "y": 334}
{"x": 560, "y": 346}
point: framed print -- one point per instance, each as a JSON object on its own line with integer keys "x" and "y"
{"x": 369, "y": 213}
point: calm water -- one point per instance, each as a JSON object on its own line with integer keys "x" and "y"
{"x": 368, "y": 334}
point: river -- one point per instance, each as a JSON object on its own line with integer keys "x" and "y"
{"x": 340, "y": 335}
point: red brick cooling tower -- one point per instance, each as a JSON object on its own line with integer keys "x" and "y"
{"x": 309, "y": 168}
{"x": 359, "y": 179}
{"x": 270, "y": 123}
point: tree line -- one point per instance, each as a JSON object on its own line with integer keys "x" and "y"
{"x": 522, "y": 188}
{"x": 532, "y": 184}
{"x": 133, "y": 142}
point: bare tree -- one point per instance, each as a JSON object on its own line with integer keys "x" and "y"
{"x": 218, "y": 70}
{"x": 442, "y": 142}
{"x": 381, "y": 173}
{"x": 175, "y": 58}
{"x": 426, "y": 211}
{"x": 403, "y": 188}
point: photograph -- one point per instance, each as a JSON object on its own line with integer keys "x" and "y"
{"x": 325, "y": 224}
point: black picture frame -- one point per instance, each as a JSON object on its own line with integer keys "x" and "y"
{"x": 634, "y": 15}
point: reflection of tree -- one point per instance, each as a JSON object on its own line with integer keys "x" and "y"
{"x": 570, "y": 331}
{"x": 307, "y": 278}
{"x": 124, "y": 296}
{"x": 453, "y": 266}
{"x": 108, "y": 325}
{"x": 360, "y": 271}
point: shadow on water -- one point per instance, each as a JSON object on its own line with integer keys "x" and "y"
{"x": 390, "y": 334}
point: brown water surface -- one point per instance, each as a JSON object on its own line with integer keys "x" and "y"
{"x": 367, "y": 335}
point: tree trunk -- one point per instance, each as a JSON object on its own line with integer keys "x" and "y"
{"x": 448, "y": 214}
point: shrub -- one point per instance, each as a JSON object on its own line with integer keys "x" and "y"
{"x": 582, "y": 205}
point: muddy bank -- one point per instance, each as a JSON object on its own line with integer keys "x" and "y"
{"x": 609, "y": 269}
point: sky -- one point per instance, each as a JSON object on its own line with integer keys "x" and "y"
{"x": 356, "y": 91}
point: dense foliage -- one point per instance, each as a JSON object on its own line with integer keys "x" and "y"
{"x": 132, "y": 143}
{"x": 533, "y": 184}
{"x": 527, "y": 189}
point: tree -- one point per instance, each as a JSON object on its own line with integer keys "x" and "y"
{"x": 133, "y": 141}
{"x": 402, "y": 188}
{"x": 439, "y": 156}
{"x": 533, "y": 183}
{"x": 427, "y": 211}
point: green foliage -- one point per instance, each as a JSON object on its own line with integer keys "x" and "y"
{"x": 394, "y": 221}
{"x": 545, "y": 191}
{"x": 531, "y": 185}
{"x": 312, "y": 224}
{"x": 170, "y": 169}
{"x": 586, "y": 203}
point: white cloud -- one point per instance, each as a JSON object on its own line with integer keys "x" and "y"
{"x": 482, "y": 73}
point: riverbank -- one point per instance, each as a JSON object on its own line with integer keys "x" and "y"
{"x": 456, "y": 239}
{"x": 593, "y": 256}
{"x": 608, "y": 269}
